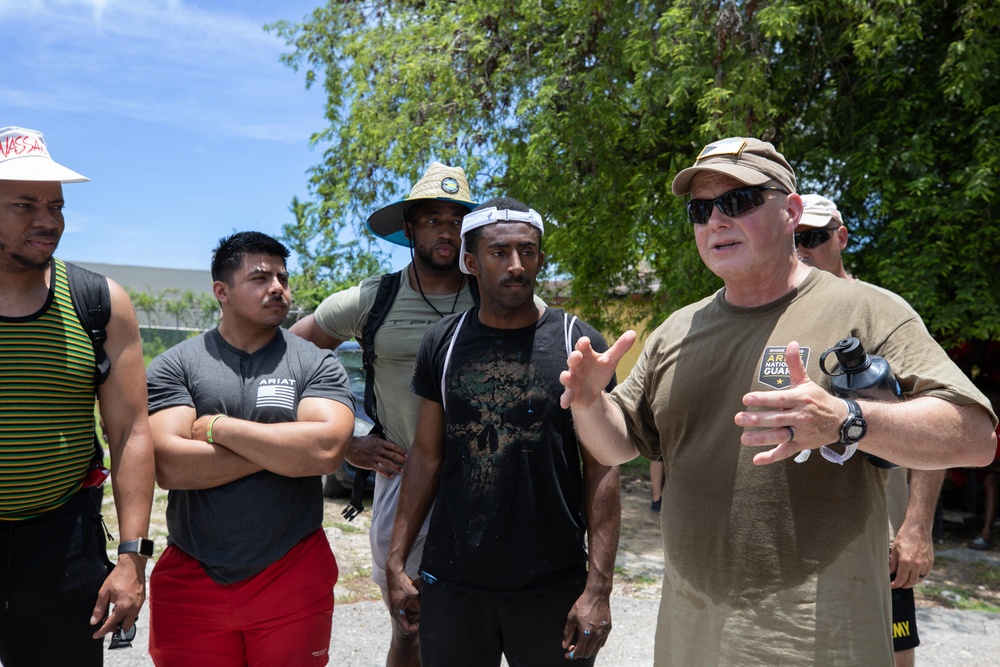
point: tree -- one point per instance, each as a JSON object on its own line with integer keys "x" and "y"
{"x": 586, "y": 109}
{"x": 325, "y": 264}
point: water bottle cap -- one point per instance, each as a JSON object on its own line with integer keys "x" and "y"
{"x": 851, "y": 355}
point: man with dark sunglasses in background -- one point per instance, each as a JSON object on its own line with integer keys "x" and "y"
{"x": 769, "y": 561}
{"x": 820, "y": 239}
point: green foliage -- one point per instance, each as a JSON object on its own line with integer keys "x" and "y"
{"x": 171, "y": 316}
{"x": 326, "y": 264}
{"x": 586, "y": 109}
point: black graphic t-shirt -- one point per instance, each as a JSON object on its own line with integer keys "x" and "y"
{"x": 508, "y": 514}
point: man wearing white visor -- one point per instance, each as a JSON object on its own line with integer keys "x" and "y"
{"x": 820, "y": 238}
{"x": 60, "y": 593}
{"x": 506, "y": 568}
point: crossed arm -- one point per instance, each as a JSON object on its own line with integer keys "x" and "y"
{"x": 314, "y": 444}
{"x": 370, "y": 452}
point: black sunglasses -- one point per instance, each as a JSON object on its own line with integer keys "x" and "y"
{"x": 814, "y": 237}
{"x": 733, "y": 203}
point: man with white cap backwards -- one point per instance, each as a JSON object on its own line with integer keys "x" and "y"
{"x": 768, "y": 561}
{"x": 429, "y": 288}
{"x": 820, "y": 239}
{"x": 506, "y": 567}
{"x": 56, "y": 582}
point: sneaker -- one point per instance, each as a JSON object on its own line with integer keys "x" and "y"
{"x": 655, "y": 505}
{"x": 980, "y": 544}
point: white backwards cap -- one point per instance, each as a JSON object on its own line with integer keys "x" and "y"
{"x": 491, "y": 215}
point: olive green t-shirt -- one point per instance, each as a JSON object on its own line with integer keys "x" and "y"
{"x": 342, "y": 315}
{"x": 783, "y": 564}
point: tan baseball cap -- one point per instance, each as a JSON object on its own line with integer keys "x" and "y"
{"x": 749, "y": 161}
{"x": 440, "y": 182}
{"x": 818, "y": 211}
{"x": 24, "y": 157}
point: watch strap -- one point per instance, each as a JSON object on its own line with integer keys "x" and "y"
{"x": 854, "y": 418}
{"x": 142, "y": 546}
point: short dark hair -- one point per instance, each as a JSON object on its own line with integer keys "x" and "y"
{"x": 501, "y": 203}
{"x": 228, "y": 256}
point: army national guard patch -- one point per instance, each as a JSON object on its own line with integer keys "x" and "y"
{"x": 774, "y": 369}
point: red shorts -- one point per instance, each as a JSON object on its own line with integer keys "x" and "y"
{"x": 281, "y": 616}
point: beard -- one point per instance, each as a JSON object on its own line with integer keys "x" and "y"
{"x": 426, "y": 256}
{"x": 16, "y": 263}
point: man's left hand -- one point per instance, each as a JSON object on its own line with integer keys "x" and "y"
{"x": 590, "y": 620}
{"x": 125, "y": 591}
{"x": 911, "y": 556}
{"x": 806, "y": 416}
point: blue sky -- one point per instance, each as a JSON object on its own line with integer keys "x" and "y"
{"x": 179, "y": 112}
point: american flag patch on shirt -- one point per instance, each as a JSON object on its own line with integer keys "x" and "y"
{"x": 278, "y": 396}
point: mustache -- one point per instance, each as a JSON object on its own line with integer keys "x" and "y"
{"x": 278, "y": 299}
{"x": 514, "y": 281}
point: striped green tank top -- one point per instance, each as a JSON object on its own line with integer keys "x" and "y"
{"x": 46, "y": 405}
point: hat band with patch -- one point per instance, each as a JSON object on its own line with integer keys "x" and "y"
{"x": 439, "y": 183}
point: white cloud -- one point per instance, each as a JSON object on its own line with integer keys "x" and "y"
{"x": 157, "y": 60}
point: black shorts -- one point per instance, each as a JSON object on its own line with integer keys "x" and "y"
{"x": 51, "y": 570}
{"x": 904, "y": 620}
{"x": 463, "y": 629}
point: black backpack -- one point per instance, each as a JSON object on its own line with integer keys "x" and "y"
{"x": 388, "y": 288}
{"x": 91, "y": 299}
{"x": 92, "y": 303}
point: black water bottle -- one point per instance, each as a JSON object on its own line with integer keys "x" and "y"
{"x": 862, "y": 375}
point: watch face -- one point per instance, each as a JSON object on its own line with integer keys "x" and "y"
{"x": 855, "y": 431}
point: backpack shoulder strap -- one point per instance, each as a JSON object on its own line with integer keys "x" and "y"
{"x": 387, "y": 289}
{"x": 92, "y": 302}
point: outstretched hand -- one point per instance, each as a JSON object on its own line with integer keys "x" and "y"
{"x": 805, "y": 416}
{"x": 590, "y": 372}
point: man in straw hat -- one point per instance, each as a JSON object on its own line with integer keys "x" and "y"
{"x": 506, "y": 568}
{"x": 820, "y": 239}
{"x": 769, "y": 561}
{"x": 57, "y": 583}
{"x": 428, "y": 221}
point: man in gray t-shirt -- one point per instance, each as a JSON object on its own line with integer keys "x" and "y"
{"x": 246, "y": 419}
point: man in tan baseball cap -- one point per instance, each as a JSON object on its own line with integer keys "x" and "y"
{"x": 767, "y": 560}
{"x": 62, "y": 594}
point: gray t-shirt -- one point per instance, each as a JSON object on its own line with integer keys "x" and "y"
{"x": 238, "y": 529}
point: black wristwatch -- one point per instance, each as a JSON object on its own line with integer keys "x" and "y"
{"x": 855, "y": 426}
{"x": 143, "y": 547}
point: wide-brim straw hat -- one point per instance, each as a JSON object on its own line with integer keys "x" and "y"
{"x": 440, "y": 183}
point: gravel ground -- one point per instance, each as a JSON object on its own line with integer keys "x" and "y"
{"x": 361, "y": 633}
{"x": 949, "y": 637}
